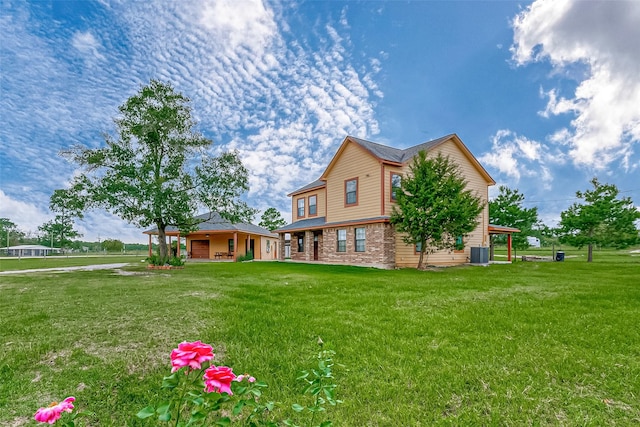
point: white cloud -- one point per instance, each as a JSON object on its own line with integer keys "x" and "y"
{"x": 87, "y": 44}
{"x": 516, "y": 156}
{"x": 26, "y": 216}
{"x": 603, "y": 35}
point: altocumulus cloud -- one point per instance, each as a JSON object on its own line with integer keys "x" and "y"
{"x": 284, "y": 102}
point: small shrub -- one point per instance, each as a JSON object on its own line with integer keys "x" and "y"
{"x": 155, "y": 260}
{"x": 176, "y": 261}
{"x": 247, "y": 257}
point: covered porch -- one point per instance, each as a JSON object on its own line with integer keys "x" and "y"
{"x": 217, "y": 239}
{"x": 499, "y": 229}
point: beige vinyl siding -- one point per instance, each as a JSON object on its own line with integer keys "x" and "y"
{"x": 354, "y": 163}
{"x": 321, "y": 201}
{"x": 405, "y": 254}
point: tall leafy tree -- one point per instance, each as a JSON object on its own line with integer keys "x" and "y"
{"x": 112, "y": 245}
{"x": 271, "y": 219}
{"x": 157, "y": 169}
{"x": 58, "y": 232}
{"x": 507, "y": 210}
{"x": 433, "y": 206}
{"x": 602, "y": 219}
{"x": 10, "y": 235}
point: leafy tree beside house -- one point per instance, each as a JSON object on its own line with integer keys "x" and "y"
{"x": 157, "y": 169}
{"x": 603, "y": 219}
{"x": 271, "y": 219}
{"x": 507, "y": 210}
{"x": 433, "y": 207}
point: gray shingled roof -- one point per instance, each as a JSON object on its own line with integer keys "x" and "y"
{"x": 314, "y": 184}
{"x": 395, "y": 154}
{"x": 383, "y": 152}
{"x": 217, "y": 223}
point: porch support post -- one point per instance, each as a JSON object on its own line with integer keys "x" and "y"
{"x": 235, "y": 246}
{"x": 509, "y": 246}
{"x": 150, "y": 250}
{"x": 178, "y": 253}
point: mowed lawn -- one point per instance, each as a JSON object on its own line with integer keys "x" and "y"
{"x": 531, "y": 343}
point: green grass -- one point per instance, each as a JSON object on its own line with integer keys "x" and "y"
{"x": 530, "y": 343}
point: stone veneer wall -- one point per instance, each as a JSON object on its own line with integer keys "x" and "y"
{"x": 379, "y": 246}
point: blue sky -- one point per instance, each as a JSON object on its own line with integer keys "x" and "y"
{"x": 546, "y": 94}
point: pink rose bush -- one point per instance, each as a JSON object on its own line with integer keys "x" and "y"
{"x": 52, "y": 413}
{"x": 203, "y": 391}
{"x": 214, "y": 395}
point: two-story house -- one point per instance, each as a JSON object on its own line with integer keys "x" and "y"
{"x": 343, "y": 217}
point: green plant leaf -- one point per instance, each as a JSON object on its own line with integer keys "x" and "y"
{"x": 171, "y": 381}
{"x": 238, "y": 408}
{"x": 147, "y": 412}
{"x": 296, "y": 407}
{"x": 223, "y": 422}
{"x": 164, "y": 408}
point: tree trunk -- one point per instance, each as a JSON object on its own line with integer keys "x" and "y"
{"x": 423, "y": 248}
{"x": 162, "y": 243}
{"x": 590, "y": 253}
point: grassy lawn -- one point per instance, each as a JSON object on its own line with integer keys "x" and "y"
{"x": 530, "y": 343}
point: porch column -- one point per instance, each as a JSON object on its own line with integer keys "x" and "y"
{"x": 150, "y": 250}
{"x": 235, "y": 246}
{"x": 178, "y": 253}
{"x": 509, "y": 246}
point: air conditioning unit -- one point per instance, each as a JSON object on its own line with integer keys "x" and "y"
{"x": 479, "y": 255}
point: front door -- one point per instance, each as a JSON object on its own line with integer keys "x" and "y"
{"x": 315, "y": 247}
{"x": 200, "y": 249}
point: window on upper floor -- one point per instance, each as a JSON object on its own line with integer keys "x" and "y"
{"x": 313, "y": 205}
{"x": 342, "y": 241}
{"x": 351, "y": 192}
{"x": 418, "y": 247}
{"x": 396, "y": 179}
{"x": 360, "y": 239}
{"x": 301, "y": 207}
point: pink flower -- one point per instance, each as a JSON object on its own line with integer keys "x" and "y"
{"x": 52, "y": 413}
{"x": 249, "y": 378}
{"x": 218, "y": 379}
{"x": 191, "y": 354}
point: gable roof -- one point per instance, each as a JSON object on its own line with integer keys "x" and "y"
{"x": 400, "y": 157}
{"x": 315, "y": 184}
{"x": 215, "y": 222}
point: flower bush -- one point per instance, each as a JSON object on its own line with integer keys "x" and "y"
{"x": 214, "y": 395}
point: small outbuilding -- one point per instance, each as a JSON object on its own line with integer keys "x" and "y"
{"x": 219, "y": 239}
{"x": 31, "y": 250}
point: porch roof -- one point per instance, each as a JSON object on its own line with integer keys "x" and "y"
{"x": 320, "y": 222}
{"x": 500, "y": 229}
{"x": 213, "y": 222}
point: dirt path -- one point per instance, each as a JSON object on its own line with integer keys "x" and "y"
{"x": 65, "y": 269}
